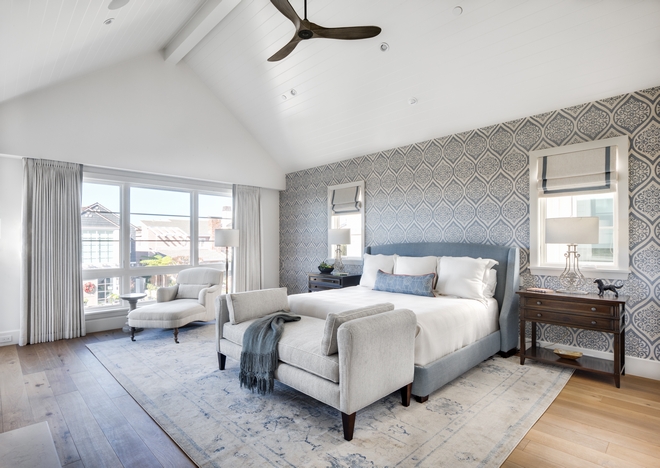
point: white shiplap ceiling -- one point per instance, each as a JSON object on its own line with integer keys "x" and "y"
{"x": 43, "y": 42}
{"x": 499, "y": 60}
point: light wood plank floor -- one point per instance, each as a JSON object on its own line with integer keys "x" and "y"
{"x": 96, "y": 423}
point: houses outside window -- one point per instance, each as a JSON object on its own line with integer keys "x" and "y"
{"x": 138, "y": 236}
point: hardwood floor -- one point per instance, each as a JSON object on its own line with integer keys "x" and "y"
{"x": 592, "y": 423}
{"x": 94, "y": 421}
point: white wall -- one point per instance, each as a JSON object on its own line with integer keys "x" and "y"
{"x": 11, "y": 178}
{"x": 144, "y": 115}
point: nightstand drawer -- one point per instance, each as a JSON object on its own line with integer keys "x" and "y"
{"x": 565, "y": 306}
{"x": 560, "y": 318}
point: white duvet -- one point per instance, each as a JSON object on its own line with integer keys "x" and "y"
{"x": 444, "y": 324}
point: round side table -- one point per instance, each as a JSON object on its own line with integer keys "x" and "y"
{"x": 132, "y": 299}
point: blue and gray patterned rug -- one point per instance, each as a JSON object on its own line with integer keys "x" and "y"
{"x": 476, "y": 420}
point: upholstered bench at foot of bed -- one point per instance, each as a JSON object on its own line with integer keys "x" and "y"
{"x": 374, "y": 357}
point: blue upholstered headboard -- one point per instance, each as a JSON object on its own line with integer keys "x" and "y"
{"x": 508, "y": 275}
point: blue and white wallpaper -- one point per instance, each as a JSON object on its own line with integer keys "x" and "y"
{"x": 474, "y": 187}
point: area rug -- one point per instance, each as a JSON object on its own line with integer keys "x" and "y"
{"x": 475, "y": 421}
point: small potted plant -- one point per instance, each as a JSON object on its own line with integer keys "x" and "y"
{"x": 325, "y": 268}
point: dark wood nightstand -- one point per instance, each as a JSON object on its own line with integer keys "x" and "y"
{"x": 589, "y": 312}
{"x": 322, "y": 281}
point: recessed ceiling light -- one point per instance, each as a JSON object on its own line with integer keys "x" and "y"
{"x": 117, "y": 4}
{"x": 384, "y": 47}
{"x": 109, "y": 21}
{"x": 458, "y": 11}
{"x": 412, "y": 101}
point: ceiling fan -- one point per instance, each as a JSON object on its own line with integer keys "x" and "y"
{"x": 307, "y": 30}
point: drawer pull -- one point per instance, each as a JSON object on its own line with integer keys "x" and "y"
{"x": 593, "y": 309}
{"x": 593, "y": 322}
{"x": 538, "y": 315}
{"x": 538, "y": 302}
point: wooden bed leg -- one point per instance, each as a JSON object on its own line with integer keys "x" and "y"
{"x": 405, "y": 394}
{"x": 222, "y": 359}
{"x": 132, "y": 333}
{"x": 422, "y": 399}
{"x": 348, "y": 421}
{"x": 176, "y": 335}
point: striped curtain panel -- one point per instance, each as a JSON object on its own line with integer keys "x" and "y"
{"x": 582, "y": 171}
{"x": 51, "y": 287}
{"x": 247, "y": 219}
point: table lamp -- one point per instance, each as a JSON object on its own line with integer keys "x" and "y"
{"x": 571, "y": 231}
{"x": 339, "y": 237}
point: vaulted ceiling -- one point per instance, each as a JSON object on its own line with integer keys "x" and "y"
{"x": 499, "y": 60}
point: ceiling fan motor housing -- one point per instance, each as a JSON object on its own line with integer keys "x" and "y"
{"x": 305, "y": 34}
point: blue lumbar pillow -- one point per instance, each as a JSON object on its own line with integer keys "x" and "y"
{"x": 418, "y": 285}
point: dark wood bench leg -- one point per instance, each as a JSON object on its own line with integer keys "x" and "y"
{"x": 348, "y": 421}
{"x": 132, "y": 333}
{"x": 222, "y": 359}
{"x": 405, "y": 394}
{"x": 176, "y": 335}
{"x": 422, "y": 399}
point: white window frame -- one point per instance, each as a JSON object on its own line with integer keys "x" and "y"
{"x": 331, "y": 253}
{"x": 537, "y": 213}
{"x": 126, "y": 180}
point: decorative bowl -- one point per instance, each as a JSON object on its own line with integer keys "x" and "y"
{"x": 568, "y": 354}
{"x": 326, "y": 271}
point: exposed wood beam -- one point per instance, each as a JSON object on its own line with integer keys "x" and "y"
{"x": 207, "y": 18}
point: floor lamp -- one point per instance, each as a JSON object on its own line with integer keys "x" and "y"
{"x": 572, "y": 231}
{"x": 226, "y": 238}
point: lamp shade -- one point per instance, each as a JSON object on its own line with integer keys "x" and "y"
{"x": 339, "y": 236}
{"x": 571, "y": 230}
{"x": 226, "y": 237}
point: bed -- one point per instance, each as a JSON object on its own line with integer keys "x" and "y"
{"x": 449, "y": 343}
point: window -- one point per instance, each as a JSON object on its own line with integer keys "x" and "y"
{"x": 139, "y": 232}
{"x": 575, "y": 193}
{"x": 346, "y": 211}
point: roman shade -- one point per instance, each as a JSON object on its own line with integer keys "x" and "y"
{"x": 346, "y": 200}
{"x": 592, "y": 170}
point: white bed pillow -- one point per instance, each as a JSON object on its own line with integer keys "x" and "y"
{"x": 490, "y": 284}
{"x": 415, "y": 266}
{"x": 373, "y": 263}
{"x": 463, "y": 276}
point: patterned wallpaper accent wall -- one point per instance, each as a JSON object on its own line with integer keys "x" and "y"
{"x": 474, "y": 187}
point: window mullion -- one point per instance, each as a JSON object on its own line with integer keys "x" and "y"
{"x": 194, "y": 225}
{"x": 125, "y": 219}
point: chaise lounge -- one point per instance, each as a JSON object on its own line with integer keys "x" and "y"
{"x": 347, "y": 361}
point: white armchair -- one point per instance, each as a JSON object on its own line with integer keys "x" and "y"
{"x": 192, "y": 299}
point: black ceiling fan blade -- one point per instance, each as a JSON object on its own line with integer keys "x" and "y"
{"x": 286, "y": 50}
{"x": 287, "y": 10}
{"x": 349, "y": 33}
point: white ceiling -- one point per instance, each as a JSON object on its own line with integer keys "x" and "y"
{"x": 499, "y": 60}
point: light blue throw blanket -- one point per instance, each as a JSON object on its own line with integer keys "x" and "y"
{"x": 259, "y": 356}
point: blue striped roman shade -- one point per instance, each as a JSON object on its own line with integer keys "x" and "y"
{"x": 592, "y": 170}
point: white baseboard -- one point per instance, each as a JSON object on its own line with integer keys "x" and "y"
{"x": 634, "y": 366}
{"x": 13, "y": 337}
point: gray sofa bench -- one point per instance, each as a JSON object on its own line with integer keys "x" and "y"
{"x": 347, "y": 361}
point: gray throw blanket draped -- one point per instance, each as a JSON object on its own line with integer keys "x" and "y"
{"x": 259, "y": 355}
